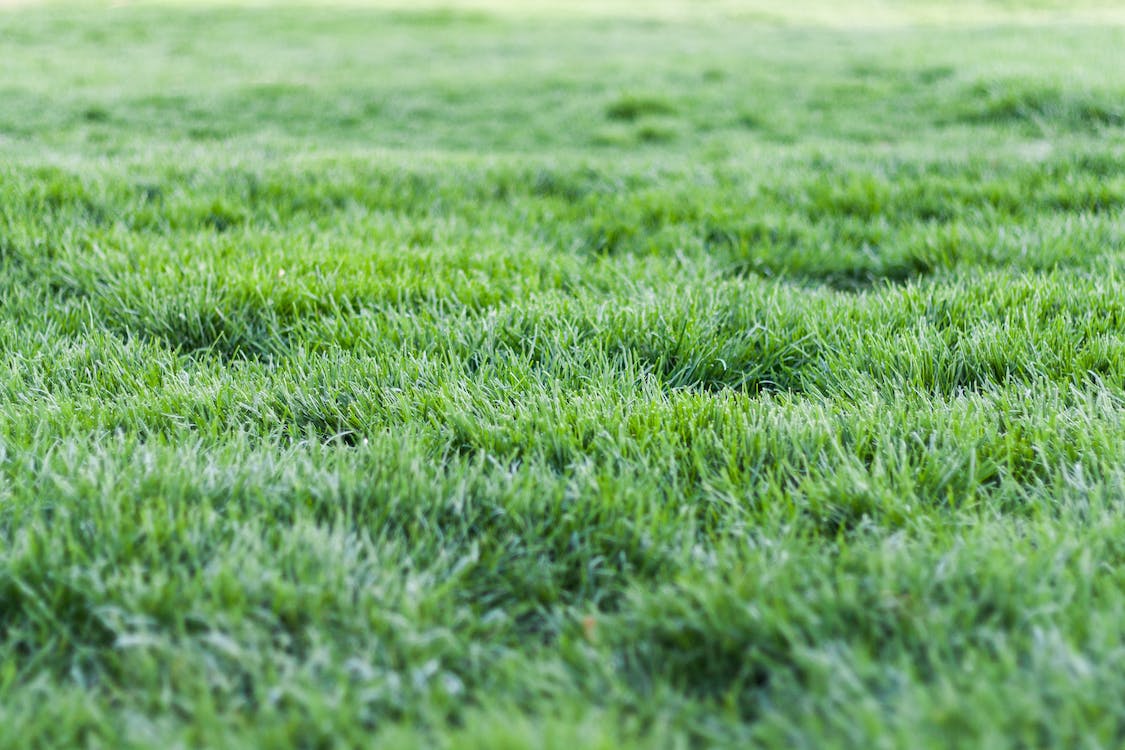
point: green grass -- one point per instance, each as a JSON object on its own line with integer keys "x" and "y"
{"x": 500, "y": 375}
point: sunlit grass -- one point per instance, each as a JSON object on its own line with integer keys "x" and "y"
{"x": 487, "y": 374}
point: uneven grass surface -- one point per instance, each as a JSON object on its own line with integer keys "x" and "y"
{"x": 562, "y": 375}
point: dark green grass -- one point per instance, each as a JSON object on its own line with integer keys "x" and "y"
{"x": 567, "y": 375}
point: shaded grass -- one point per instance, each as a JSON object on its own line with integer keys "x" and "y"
{"x": 1041, "y": 108}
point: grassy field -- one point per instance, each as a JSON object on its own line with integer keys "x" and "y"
{"x": 562, "y": 374}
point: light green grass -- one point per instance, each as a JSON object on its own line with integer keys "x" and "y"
{"x": 511, "y": 375}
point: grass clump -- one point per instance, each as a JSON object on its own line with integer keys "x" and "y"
{"x": 1042, "y": 108}
{"x": 632, "y": 107}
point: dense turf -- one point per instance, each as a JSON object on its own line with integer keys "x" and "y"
{"x": 562, "y": 375}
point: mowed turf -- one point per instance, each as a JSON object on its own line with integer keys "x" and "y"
{"x": 505, "y": 375}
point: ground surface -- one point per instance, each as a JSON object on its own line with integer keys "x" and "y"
{"x": 562, "y": 375}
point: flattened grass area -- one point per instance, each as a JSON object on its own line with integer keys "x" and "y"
{"x": 562, "y": 375}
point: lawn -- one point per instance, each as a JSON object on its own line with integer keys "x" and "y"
{"x": 497, "y": 374}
